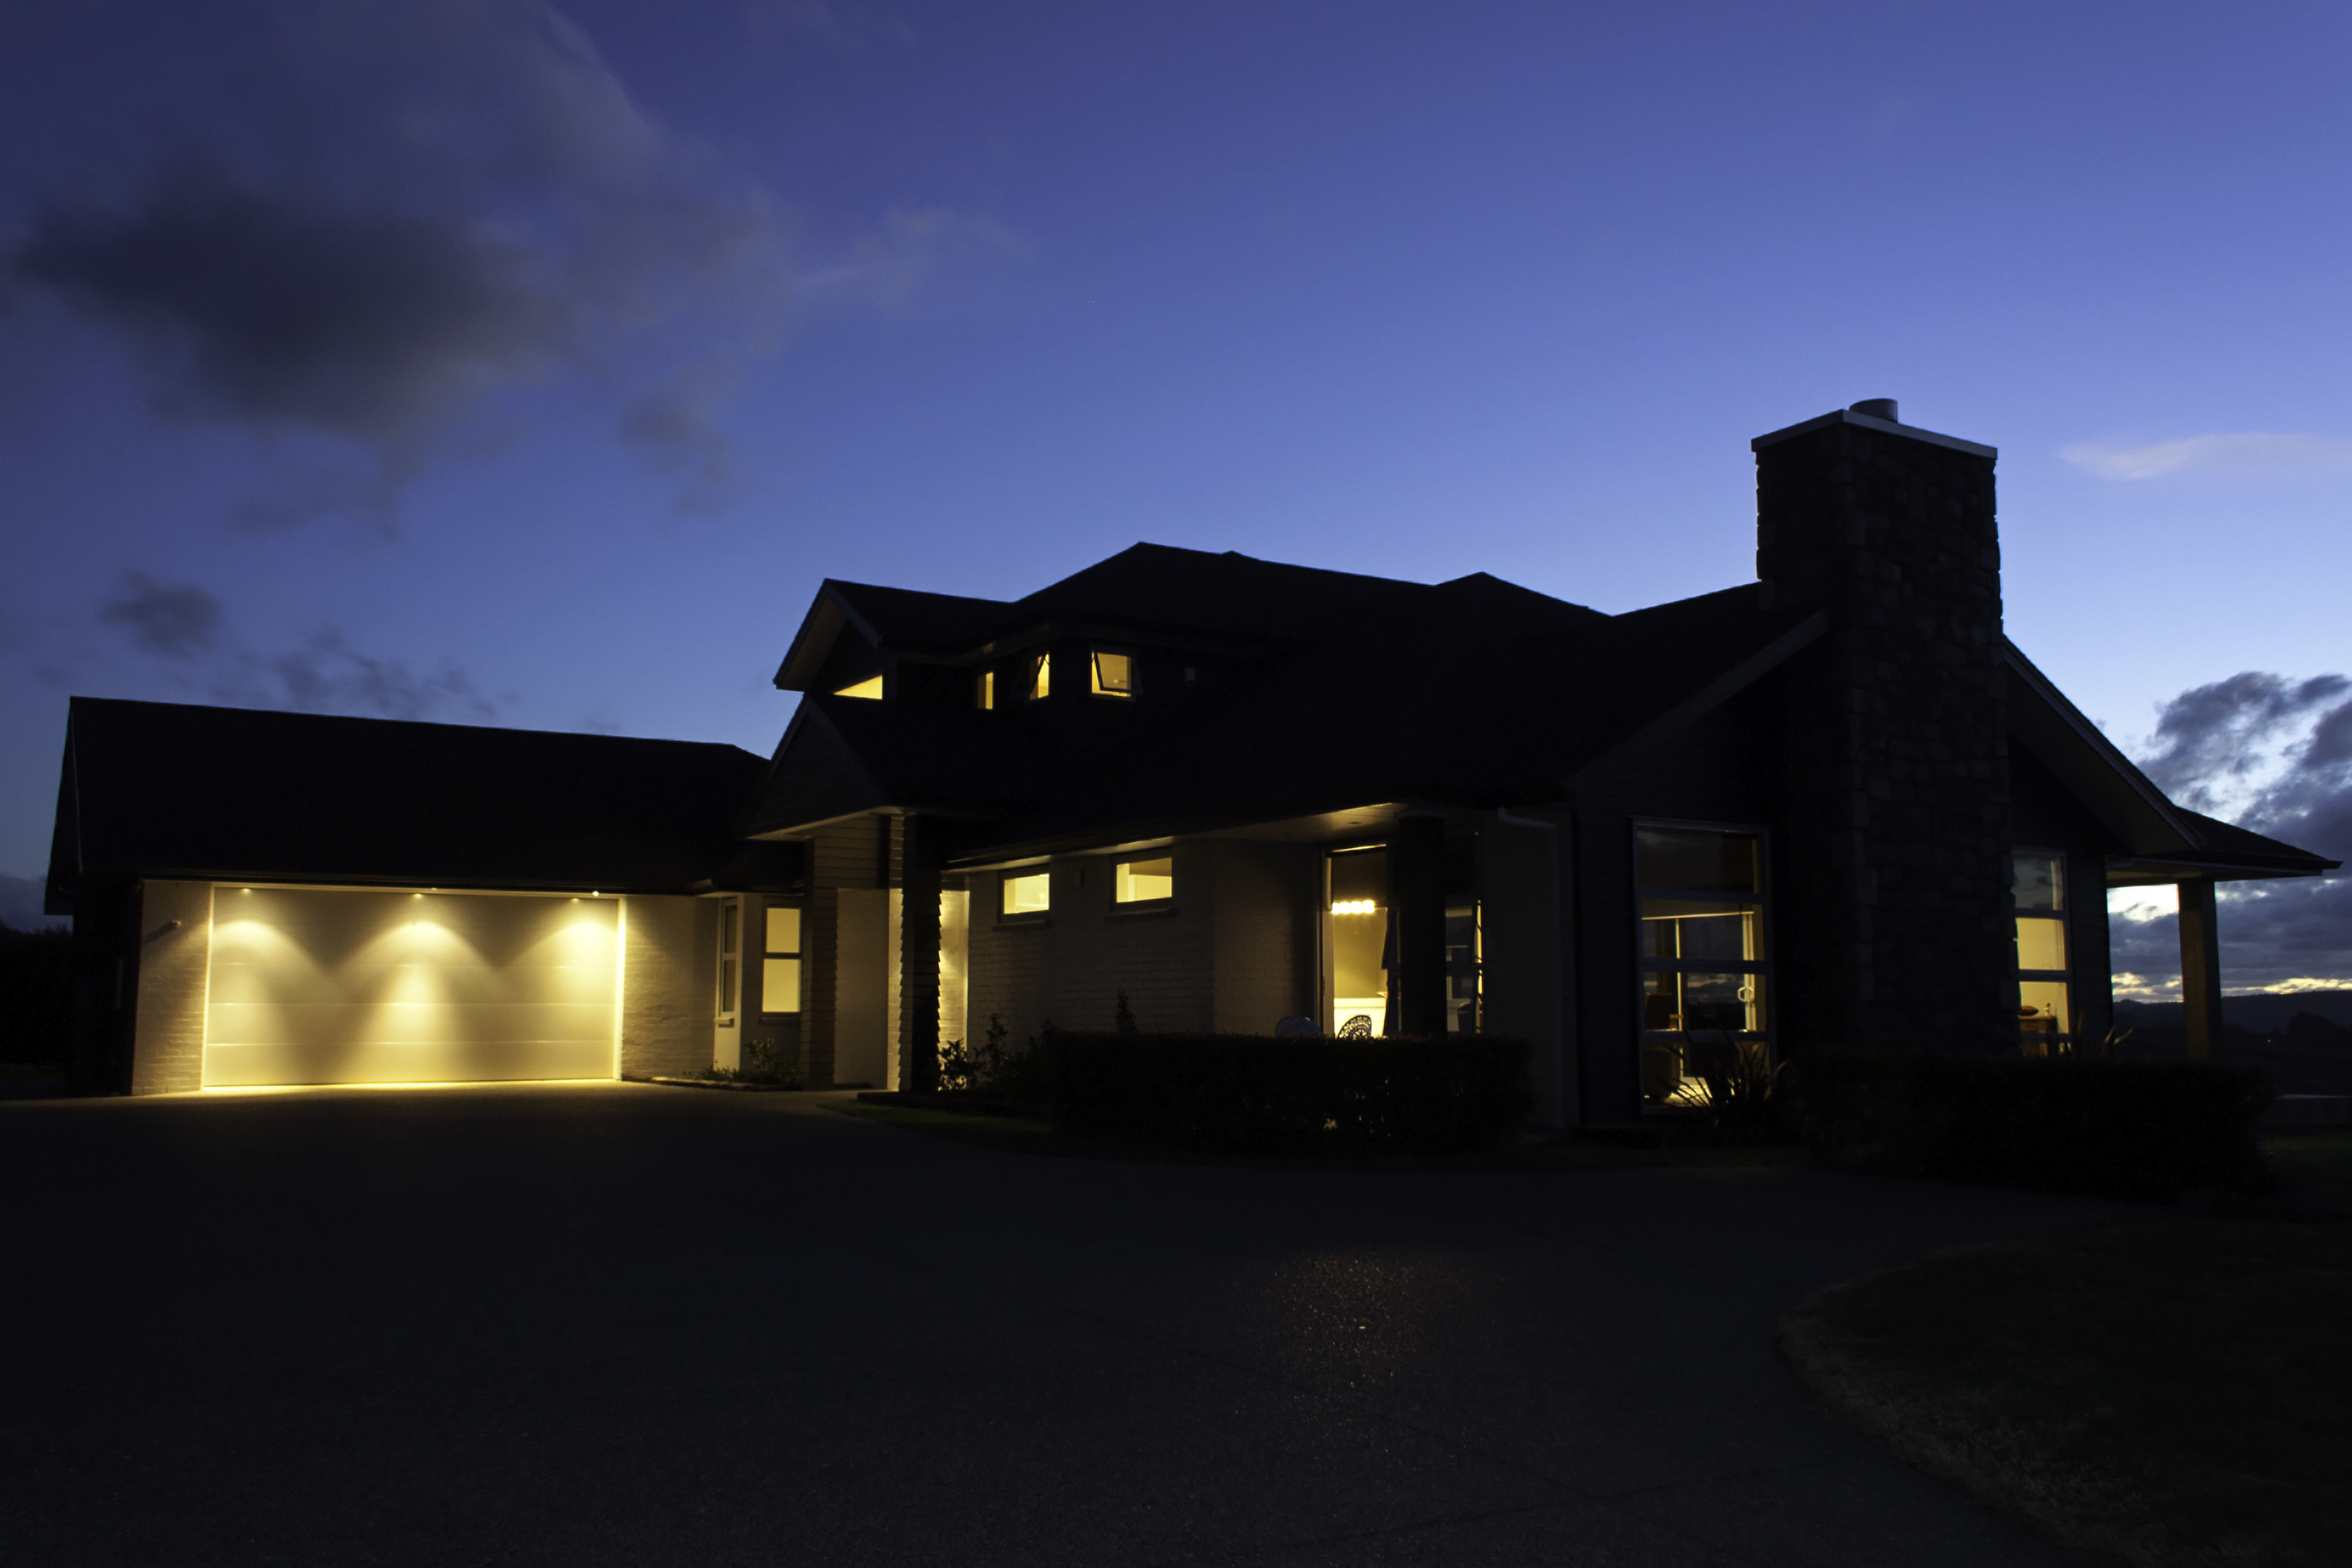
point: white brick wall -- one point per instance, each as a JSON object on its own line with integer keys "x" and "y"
{"x": 167, "y": 1053}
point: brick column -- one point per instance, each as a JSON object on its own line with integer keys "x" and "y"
{"x": 919, "y": 957}
{"x": 1417, "y": 880}
{"x": 2200, "y": 969}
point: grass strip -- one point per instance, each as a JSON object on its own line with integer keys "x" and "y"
{"x": 2172, "y": 1390}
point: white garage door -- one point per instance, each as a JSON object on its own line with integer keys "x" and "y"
{"x": 365, "y": 987}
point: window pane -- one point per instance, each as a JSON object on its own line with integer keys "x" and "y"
{"x": 870, "y": 688}
{"x": 727, "y": 985}
{"x": 1041, "y": 676}
{"x": 1686, "y": 1000}
{"x": 1702, "y": 929}
{"x": 783, "y": 931}
{"x": 2041, "y": 881}
{"x": 780, "y": 985}
{"x": 1141, "y": 880}
{"x": 2042, "y": 1010}
{"x": 1114, "y": 674}
{"x": 1029, "y": 895}
{"x": 1695, "y": 857}
{"x": 988, "y": 688}
{"x": 2041, "y": 943}
{"x": 731, "y": 915}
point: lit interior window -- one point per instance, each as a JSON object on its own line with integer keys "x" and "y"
{"x": 1114, "y": 674}
{"x": 2044, "y": 1021}
{"x": 1031, "y": 894}
{"x": 1041, "y": 676}
{"x": 1358, "y": 938}
{"x": 870, "y": 688}
{"x": 1140, "y": 881}
{"x": 780, "y": 969}
{"x": 987, "y": 685}
{"x": 1701, "y": 946}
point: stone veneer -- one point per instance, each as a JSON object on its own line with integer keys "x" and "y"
{"x": 1891, "y": 871}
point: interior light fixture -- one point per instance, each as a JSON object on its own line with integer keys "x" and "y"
{"x": 1354, "y": 907}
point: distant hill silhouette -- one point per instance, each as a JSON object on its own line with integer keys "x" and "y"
{"x": 2258, "y": 1011}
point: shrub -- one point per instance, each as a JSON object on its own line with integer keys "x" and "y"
{"x": 1261, "y": 1094}
{"x": 2062, "y": 1124}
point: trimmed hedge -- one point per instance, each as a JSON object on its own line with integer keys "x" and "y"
{"x": 1261, "y": 1094}
{"x": 2062, "y": 1124}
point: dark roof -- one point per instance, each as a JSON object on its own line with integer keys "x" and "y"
{"x": 2227, "y": 845}
{"x": 158, "y": 789}
{"x": 1373, "y": 691}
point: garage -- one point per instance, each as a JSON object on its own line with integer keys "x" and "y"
{"x": 310, "y": 985}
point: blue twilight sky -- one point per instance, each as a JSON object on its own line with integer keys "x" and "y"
{"x": 489, "y": 360}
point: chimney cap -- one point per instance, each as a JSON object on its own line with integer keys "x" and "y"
{"x": 1868, "y": 416}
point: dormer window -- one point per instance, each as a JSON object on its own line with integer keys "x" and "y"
{"x": 1114, "y": 674}
{"x": 870, "y": 688}
{"x": 985, "y": 688}
{"x": 1041, "y": 676}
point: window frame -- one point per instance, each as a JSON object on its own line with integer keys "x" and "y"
{"x": 2057, "y": 1041}
{"x": 1763, "y": 967}
{"x": 797, "y": 954}
{"x": 1011, "y": 874}
{"x": 730, "y": 964}
{"x": 1142, "y": 906}
{"x": 1095, "y": 687}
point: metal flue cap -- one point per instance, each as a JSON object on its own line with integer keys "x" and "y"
{"x": 1876, "y": 409}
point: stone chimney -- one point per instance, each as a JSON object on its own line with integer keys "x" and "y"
{"x": 1891, "y": 865}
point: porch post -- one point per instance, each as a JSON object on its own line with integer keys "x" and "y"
{"x": 919, "y": 957}
{"x": 2201, "y": 968}
{"x": 1417, "y": 864}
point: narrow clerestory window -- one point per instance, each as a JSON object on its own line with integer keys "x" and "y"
{"x": 986, "y": 689}
{"x": 870, "y": 688}
{"x": 1041, "y": 676}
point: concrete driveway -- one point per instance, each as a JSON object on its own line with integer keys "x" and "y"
{"x": 608, "y": 1324}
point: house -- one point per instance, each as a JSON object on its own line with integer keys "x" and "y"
{"x": 1832, "y": 806}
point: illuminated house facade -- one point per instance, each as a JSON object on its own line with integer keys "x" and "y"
{"x": 1831, "y": 805}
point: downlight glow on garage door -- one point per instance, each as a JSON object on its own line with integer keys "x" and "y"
{"x": 341, "y": 985}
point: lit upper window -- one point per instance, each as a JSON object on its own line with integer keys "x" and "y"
{"x": 870, "y": 688}
{"x": 1041, "y": 676}
{"x": 1141, "y": 881}
{"x": 1114, "y": 674}
{"x": 986, "y": 688}
{"x": 1030, "y": 894}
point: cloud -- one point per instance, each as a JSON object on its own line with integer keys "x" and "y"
{"x": 2272, "y": 754}
{"x": 884, "y": 270}
{"x": 428, "y": 206}
{"x": 322, "y": 674}
{"x": 2251, "y": 453}
{"x": 2211, "y": 742}
{"x": 176, "y": 620}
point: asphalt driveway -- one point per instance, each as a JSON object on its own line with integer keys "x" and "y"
{"x": 619, "y": 1324}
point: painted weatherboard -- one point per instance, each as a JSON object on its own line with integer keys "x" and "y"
{"x": 312, "y": 986}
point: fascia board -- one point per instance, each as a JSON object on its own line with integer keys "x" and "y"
{"x": 1707, "y": 697}
{"x": 830, "y": 611}
{"x": 1096, "y": 840}
{"x": 2073, "y": 725}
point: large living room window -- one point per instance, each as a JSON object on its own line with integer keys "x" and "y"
{"x": 1701, "y": 947}
{"x": 1356, "y": 936}
{"x": 2044, "y": 1020}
